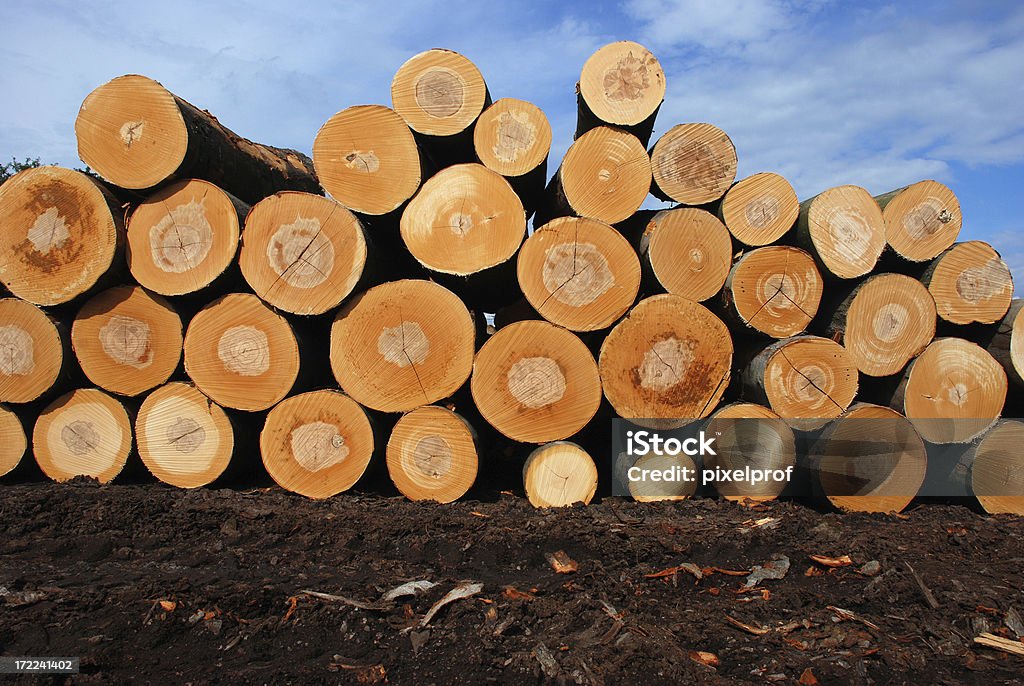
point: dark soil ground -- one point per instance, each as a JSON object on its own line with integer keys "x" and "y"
{"x": 154, "y": 585}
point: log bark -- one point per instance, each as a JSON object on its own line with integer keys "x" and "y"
{"x": 35, "y": 353}
{"x": 184, "y": 438}
{"x": 432, "y": 455}
{"x": 368, "y": 160}
{"x": 127, "y": 340}
{"x": 760, "y": 209}
{"x": 83, "y": 433}
{"x": 775, "y": 290}
{"x": 63, "y": 237}
{"x": 317, "y": 444}
{"x": 970, "y": 283}
{"x": 401, "y": 345}
{"x": 622, "y": 84}
{"x": 921, "y": 220}
{"x": 883, "y": 322}
{"x": 1007, "y": 344}
{"x": 13, "y": 442}
{"x": 579, "y": 273}
{"x": 183, "y": 239}
{"x": 535, "y": 382}
{"x": 138, "y": 135}
{"x": 686, "y": 251}
{"x": 996, "y": 468}
{"x": 843, "y": 229}
{"x": 869, "y": 459}
{"x": 559, "y": 474}
{"x": 750, "y": 434}
{"x": 513, "y": 138}
{"x": 605, "y": 175}
{"x": 806, "y": 380}
{"x": 303, "y": 253}
{"x": 669, "y": 359}
{"x": 693, "y": 164}
{"x": 241, "y": 353}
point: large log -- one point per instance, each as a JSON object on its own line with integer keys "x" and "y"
{"x": 686, "y": 251}
{"x": 82, "y": 433}
{"x": 884, "y": 322}
{"x": 1007, "y": 343}
{"x": 997, "y": 468}
{"x": 921, "y": 220}
{"x": 760, "y": 209}
{"x": 669, "y": 359}
{"x": 579, "y": 273}
{"x": 127, "y": 340}
{"x": 35, "y": 352}
{"x": 843, "y": 228}
{"x": 748, "y": 434}
{"x": 432, "y": 455}
{"x": 806, "y": 380}
{"x": 302, "y": 253}
{"x": 63, "y": 235}
{"x": 513, "y": 138}
{"x": 241, "y": 353}
{"x": 184, "y": 238}
{"x": 536, "y": 382}
{"x": 559, "y": 474}
{"x": 136, "y": 134}
{"x": 622, "y": 84}
{"x": 693, "y": 164}
{"x": 402, "y": 344}
{"x": 317, "y": 444}
{"x": 184, "y": 438}
{"x": 775, "y": 290}
{"x": 970, "y": 283}
{"x": 367, "y": 159}
{"x": 13, "y": 442}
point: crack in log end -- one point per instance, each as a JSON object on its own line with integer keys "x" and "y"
{"x": 405, "y": 345}
{"x": 762, "y": 211}
{"x": 17, "y": 351}
{"x": 244, "y": 350}
{"x": 363, "y": 161}
{"x": 890, "y": 322}
{"x": 49, "y": 231}
{"x": 186, "y": 435}
{"x": 318, "y": 445}
{"x": 926, "y": 219}
{"x": 131, "y": 132}
{"x": 666, "y": 363}
{"x": 627, "y": 80}
{"x": 126, "y": 340}
{"x": 431, "y": 458}
{"x": 80, "y": 437}
{"x": 301, "y": 254}
{"x": 576, "y": 274}
{"x": 440, "y": 92}
{"x": 182, "y": 239}
{"x": 536, "y": 382}
{"x": 514, "y": 135}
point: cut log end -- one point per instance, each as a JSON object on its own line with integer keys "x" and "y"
{"x": 302, "y": 253}
{"x": 622, "y": 83}
{"x": 688, "y": 252}
{"x": 646, "y": 490}
{"x": 31, "y": 351}
{"x": 367, "y": 159}
{"x": 606, "y": 175}
{"x": 13, "y": 442}
{"x": 921, "y": 220}
{"x": 465, "y": 219}
{"x": 183, "y": 237}
{"x": 775, "y": 289}
{"x": 184, "y": 439}
{"x": 439, "y": 92}
{"x": 61, "y": 234}
{"x": 559, "y": 474}
{"x": 127, "y": 340}
{"x": 401, "y": 345}
{"x": 760, "y": 209}
{"x": 750, "y": 434}
{"x": 970, "y": 283}
{"x": 512, "y": 137}
{"x": 579, "y": 273}
{"x": 83, "y": 433}
{"x": 317, "y": 444}
{"x": 241, "y": 354}
{"x": 997, "y": 473}
{"x": 846, "y": 230}
{"x": 693, "y": 164}
{"x": 432, "y": 455}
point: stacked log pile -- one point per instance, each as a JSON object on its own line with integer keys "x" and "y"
{"x": 204, "y": 289}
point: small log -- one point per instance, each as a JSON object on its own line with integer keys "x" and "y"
{"x": 1007, "y": 343}
{"x": 970, "y": 283}
{"x": 806, "y": 380}
{"x": 64, "y": 233}
{"x": 13, "y": 442}
{"x": 869, "y": 459}
{"x": 750, "y": 434}
{"x": 367, "y": 159}
{"x": 513, "y": 138}
{"x": 775, "y": 290}
{"x": 884, "y": 322}
{"x": 686, "y": 251}
{"x": 669, "y": 359}
{"x": 843, "y": 228}
{"x": 605, "y": 175}
{"x": 921, "y": 220}
{"x": 559, "y": 474}
{"x": 184, "y": 238}
{"x": 432, "y": 455}
{"x": 579, "y": 273}
{"x": 536, "y": 382}
{"x": 136, "y": 134}
{"x": 127, "y": 340}
{"x": 35, "y": 352}
{"x": 184, "y": 438}
{"x": 302, "y": 253}
{"x": 402, "y": 344}
{"x": 317, "y": 444}
{"x": 760, "y": 209}
{"x": 952, "y": 392}
{"x": 622, "y": 84}
{"x": 83, "y": 433}
{"x": 997, "y": 468}
{"x": 241, "y": 353}
{"x": 693, "y": 164}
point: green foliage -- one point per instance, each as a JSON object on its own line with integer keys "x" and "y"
{"x": 9, "y": 169}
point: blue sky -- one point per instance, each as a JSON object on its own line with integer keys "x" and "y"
{"x": 825, "y": 93}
